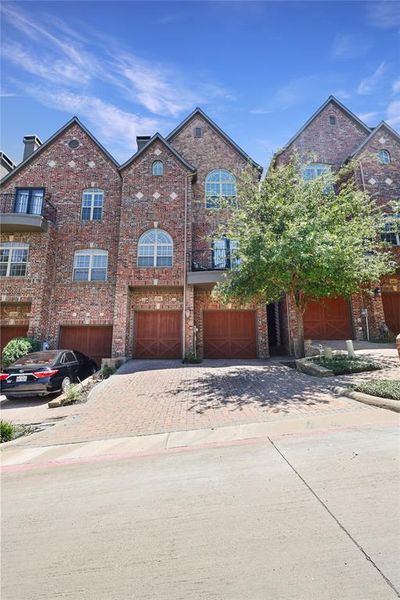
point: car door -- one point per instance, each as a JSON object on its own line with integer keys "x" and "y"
{"x": 73, "y": 366}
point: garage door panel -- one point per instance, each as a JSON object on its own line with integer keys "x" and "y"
{"x": 391, "y": 307}
{"x": 328, "y": 319}
{"x": 94, "y": 341}
{"x": 158, "y": 334}
{"x": 229, "y": 334}
{"x": 9, "y": 332}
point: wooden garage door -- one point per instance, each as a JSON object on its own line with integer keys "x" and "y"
{"x": 158, "y": 334}
{"x": 9, "y": 332}
{"x": 229, "y": 334}
{"x": 328, "y": 319}
{"x": 94, "y": 341}
{"x": 391, "y": 306}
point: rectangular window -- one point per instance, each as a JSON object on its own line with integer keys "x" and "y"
{"x": 92, "y": 205}
{"x": 332, "y": 120}
{"x": 13, "y": 260}
{"x": 391, "y": 230}
{"x": 29, "y": 201}
{"x": 198, "y": 132}
{"x": 90, "y": 266}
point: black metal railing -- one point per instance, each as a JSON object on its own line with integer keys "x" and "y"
{"x": 45, "y": 208}
{"x": 218, "y": 259}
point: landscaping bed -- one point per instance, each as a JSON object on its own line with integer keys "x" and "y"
{"x": 344, "y": 365}
{"x": 382, "y": 388}
{"x": 9, "y": 431}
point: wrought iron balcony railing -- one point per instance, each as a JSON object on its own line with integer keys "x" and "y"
{"x": 218, "y": 259}
{"x": 41, "y": 207}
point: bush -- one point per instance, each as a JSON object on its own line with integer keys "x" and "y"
{"x": 384, "y": 388}
{"x": 191, "y": 358}
{"x": 73, "y": 393}
{"x": 19, "y": 347}
{"x": 107, "y": 371}
{"x": 7, "y": 431}
{"x": 343, "y": 365}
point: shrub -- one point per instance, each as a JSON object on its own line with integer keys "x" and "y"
{"x": 107, "y": 371}
{"x": 73, "y": 393}
{"x": 384, "y": 388}
{"x": 7, "y": 431}
{"x": 343, "y": 365}
{"x": 191, "y": 358}
{"x": 19, "y": 347}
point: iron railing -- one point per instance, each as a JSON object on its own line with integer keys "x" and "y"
{"x": 45, "y": 209}
{"x": 218, "y": 259}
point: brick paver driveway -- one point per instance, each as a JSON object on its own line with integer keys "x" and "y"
{"x": 148, "y": 397}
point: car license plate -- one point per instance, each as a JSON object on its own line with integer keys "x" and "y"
{"x": 21, "y": 378}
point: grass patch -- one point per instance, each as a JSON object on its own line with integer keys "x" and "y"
{"x": 383, "y": 388}
{"x": 7, "y": 431}
{"x": 344, "y": 365}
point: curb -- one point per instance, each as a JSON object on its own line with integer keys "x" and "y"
{"x": 61, "y": 399}
{"x": 367, "y": 399}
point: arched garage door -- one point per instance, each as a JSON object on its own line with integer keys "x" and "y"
{"x": 328, "y": 319}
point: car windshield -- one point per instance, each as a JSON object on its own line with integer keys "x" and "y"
{"x": 37, "y": 358}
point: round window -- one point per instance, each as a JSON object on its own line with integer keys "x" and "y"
{"x": 73, "y": 144}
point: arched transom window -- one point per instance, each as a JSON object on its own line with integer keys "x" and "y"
{"x": 220, "y": 189}
{"x": 158, "y": 168}
{"x": 384, "y": 157}
{"x": 155, "y": 249}
{"x": 90, "y": 265}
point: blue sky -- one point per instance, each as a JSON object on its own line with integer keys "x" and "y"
{"x": 259, "y": 69}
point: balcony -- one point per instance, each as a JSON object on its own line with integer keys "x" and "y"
{"x": 32, "y": 217}
{"x": 209, "y": 266}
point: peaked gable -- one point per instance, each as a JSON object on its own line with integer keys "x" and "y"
{"x": 161, "y": 139}
{"x": 382, "y": 126}
{"x": 197, "y": 111}
{"x": 53, "y": 138}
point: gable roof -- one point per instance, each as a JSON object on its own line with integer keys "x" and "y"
{"x": 51, "y": 139}
{"x": 198, "y": 111}
{"x": 318, "y": 111}
{"x": 159, "y": 137}
{"x": 371, "y": 135}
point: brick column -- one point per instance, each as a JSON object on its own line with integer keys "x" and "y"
{"x": 121, "y": 321}
{"x": 189, "y": 320}
{"x": 262, "y": 331}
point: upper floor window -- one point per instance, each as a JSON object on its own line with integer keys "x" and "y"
{"x": 92, "y": 205}
{"x": 158, "y": 168}
{"x": 198, "y": 132}
{"x": 29, "y": 200}
{"x": 155, "y": 249}
{"x": 314, "y": 170}
{"x": 384, "y": 157}
{"x": 13, "y": 259}
{"x": 225, "y": 254}
{"x": 332, "y": 120}
{"x": 220, "y": 188}
{"x": 391, "y": 229}
{"x": 90, "y": 265}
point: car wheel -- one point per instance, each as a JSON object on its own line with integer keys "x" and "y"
{"x": 66, "y": 382}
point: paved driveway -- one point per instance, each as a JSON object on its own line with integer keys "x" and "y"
{"x": 148, "y": 397}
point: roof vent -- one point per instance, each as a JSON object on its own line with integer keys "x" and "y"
{"x": 142, "y": 140}
{"x": 32, "y": 143}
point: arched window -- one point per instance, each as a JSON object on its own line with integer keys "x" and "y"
{"x": 90, "y": 265}
{"x": 92, "y": 205}
{"x": 13, "y": 259}
{"x": 155, "y": 249}
{"x": 384, "y": 157}
{"x": 314, "y": 170}
{"x": 220, "y": 188}
{"x": 158, "y": 168}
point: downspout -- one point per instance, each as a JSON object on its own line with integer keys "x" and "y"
{"x": 185, "y": 259}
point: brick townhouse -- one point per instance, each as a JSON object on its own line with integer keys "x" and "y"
{"x": 329, "y": 139}
{"x": 120, "y": 260}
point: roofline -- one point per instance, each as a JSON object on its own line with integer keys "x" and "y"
{"x": 365, "y": 142}
{"x": 198, "y": 110}
{"x": 51, "y": 139}
{"x": 318, "y": 111}
{"x": 158, "y": 136}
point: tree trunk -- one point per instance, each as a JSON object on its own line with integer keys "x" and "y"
{"x": 298, "y": 341}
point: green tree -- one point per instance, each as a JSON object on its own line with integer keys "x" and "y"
{"x": 309, "y": 239}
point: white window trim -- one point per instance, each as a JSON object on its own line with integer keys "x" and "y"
{"x": 91, "y": 253}
{"x": 387, "y": 153}
{"x": 220, "y": 196}
{"x": 392, "y": 218}
{"x": 316, "y": 165}
{"x": 15, "y": 246}
{"x": 155, "y": 245}
{"x": 156, "y": 162}
{"x": 92, "y": 192}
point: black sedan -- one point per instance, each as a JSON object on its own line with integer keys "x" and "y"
{"x": 43, "y": 373}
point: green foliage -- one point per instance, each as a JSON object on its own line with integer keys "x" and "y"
{"x": 19, "y": 347}
{"x": 384, "y": 388}
{"x": 343, "y": 365}
{"x": 7, "y": 431}
{"x": 73, "y": 393}
{"x": 191, "y": 358}
{"x": 312, "y": 239}
{"x": 107, "y": 371}
{"x": 386, "y": 338}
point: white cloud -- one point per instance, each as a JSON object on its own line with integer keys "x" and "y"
{"x": 370, "y": 83}
{"x": 384, "y": 14}
{"x": 260, "y": 111}
{"x": 368, "y": 116}
{"x": 342, "y": 94}
{"x": 349, "y": 45}
{"x": 396, "y": 86}
{"x": 393, "y": 113}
